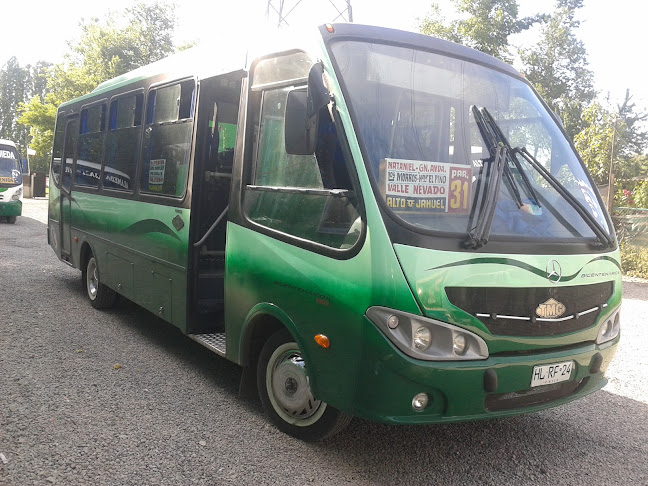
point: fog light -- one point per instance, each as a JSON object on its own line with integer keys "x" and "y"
{"x": 422, "y": 338}
{"x": 605, "y": 328}
{"x": 392, "y": 322}
{"x": 617, "y": 323}
{"x": 609, "y": 330}
{"x": 459, "y": 344}
{"x": 420, "y": 401}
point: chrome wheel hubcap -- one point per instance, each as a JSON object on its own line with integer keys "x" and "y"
{"x": 92, "y": 280}
{"x": 289, "y": 387}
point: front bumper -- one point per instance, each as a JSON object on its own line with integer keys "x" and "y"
{"x": 457, "y": 391}
{"x": 11, "y": 208}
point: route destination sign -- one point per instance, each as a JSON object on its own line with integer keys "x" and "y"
{"x": 422, "y": 186}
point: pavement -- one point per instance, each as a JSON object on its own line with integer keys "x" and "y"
{"x": 119, "y": 397}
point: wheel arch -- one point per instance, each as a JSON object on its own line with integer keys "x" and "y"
{"x": 262, "y": 321}
{"x": 84, "y": 254}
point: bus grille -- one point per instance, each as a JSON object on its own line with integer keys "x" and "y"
{"x": 534, "y": 396}
{"x": 513, "y": 311}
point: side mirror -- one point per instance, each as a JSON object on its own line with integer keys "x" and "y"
{"x": 300, "y": 130}
{"x": 318, "y": 94}
{"x": 302, "y": 109}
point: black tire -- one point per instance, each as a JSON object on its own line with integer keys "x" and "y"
{"x": 285, "y": 392}
{"x": 101, "y": 297}
{"x": 11, "y": 219}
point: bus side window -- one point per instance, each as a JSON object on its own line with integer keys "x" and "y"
{"x": 303, "y": 204}
{"x": 122, "y": 145}
{"x": 167, "y": 139}
{"x": 91, "y": 146}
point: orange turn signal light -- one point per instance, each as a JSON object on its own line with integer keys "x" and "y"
{"x": 330, "y": 28}
{"x": 323, "y": 341}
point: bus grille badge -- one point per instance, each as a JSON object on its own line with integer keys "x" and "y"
{"x": 554, "y": 272}
{"x": 551, "y": 309}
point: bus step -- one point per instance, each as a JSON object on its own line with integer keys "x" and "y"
{"x": 214, "y": 342}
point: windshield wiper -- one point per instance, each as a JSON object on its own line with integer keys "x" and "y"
{"x": 527, "y": 184}
{"x": 486, "y": 192}
{"x": 479, "y": 235}
{"x": 603, "y": 237}
{"x": 497, "y": 143}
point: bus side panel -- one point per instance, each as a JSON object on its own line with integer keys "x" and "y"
{"x": 140, "y": 248}
{"x": 9, "y": 207}
{"x": 319, "y": 294}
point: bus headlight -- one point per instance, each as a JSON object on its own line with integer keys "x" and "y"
{"x": 422, "y": 338}
{"x": 428, "y": 339}
{"x": 17, "y": 194}
{"x": 459, "y": 343}
{"x": 610, "y": 328}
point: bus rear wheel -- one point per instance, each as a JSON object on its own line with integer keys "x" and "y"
{"x": 284, "y": 389}
{"x": 101, "y": 296}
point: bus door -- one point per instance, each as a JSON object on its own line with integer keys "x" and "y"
{"x": 69, "y": 149}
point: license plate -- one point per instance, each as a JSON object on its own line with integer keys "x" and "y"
{"x": 553, "y": 373}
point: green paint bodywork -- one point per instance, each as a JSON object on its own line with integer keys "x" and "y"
{"x": 137, "y": 241}
{"x": 430, "y": 272}
{"x": 362, "y": 372}
{"x": 11, "y": 208}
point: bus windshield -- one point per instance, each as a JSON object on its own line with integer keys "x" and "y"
{"x": 10, "y": 174}
{"x": 432, "y": 126}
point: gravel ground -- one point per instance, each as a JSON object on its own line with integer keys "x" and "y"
{"x": 120, "y": 398}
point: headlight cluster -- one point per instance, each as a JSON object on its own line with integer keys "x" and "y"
{"x": 428, "y": 339}
{"x": 17, "y": 194}
{"x": 609, "y": 328}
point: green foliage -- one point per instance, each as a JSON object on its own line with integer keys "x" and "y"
{"x": 557, "y": 66}
{"x": 18, "y": 84}
{"x": 122, "y": 42}
{"x": 594, "y": 142}
{"x": 484, "y": 25}
{"x": 40, "y": 117}
{"x": 634, "y": 260}
{"x": 604, "y": 131}
{"x": 641, "y": 195}
{"x": 635, "y": 140}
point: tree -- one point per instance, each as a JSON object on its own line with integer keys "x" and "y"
{"x": 636, "y": 135}
{"x": 594, "y": 142}
{"x": 557, "y": 66}
{"x": 40, "y": 117}
{"x": 126, "y": 40}
{"x": 13, "y": 81}
{"x": 17, "y": 85}
{"x": 486, "y": 26}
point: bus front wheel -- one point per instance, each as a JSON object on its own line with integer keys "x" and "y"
{"x": 101, "y": 297}
{"x": 11, "y": 219}
{"x": 284, "y": 389}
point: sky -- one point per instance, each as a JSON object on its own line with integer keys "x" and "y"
{"x": 613, "y": 32}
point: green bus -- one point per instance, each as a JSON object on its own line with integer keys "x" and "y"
{"x": 369, "y": 222}
{"x": 11, "y": 183}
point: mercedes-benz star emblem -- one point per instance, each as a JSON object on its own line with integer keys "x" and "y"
{"x": 554, "y": 272}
